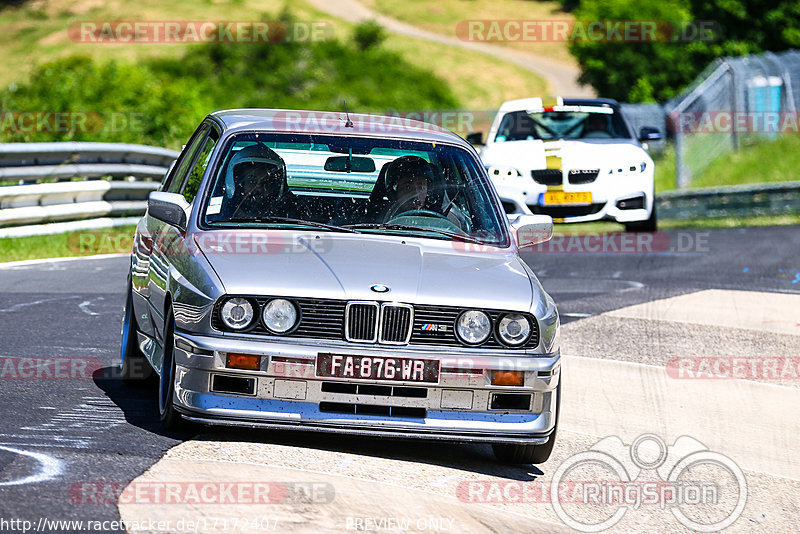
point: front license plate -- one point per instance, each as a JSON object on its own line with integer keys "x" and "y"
{"x": 562, "y": 197}
{"x": 376, "y": 368}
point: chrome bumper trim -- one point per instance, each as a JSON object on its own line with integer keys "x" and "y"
{"x": 369, "y": 431}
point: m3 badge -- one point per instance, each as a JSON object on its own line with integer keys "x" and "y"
{"x": 430, "y": 327}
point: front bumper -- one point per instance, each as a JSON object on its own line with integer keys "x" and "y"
{"x": 521, "y": 196}
{"x": 288, "y": 394}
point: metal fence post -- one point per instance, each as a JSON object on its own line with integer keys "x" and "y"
{"x": 681, "y": 175}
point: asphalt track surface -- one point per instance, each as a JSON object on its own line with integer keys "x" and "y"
{"x": 56, "y": 435}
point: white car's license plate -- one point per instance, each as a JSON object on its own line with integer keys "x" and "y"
{"x": 554, "y": 198}
{"x": 377, "y": 368}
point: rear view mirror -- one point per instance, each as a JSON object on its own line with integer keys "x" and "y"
{"x": 349, "y": 164}
{"x": 532, "y": 229}
{"x": 475, "y": 138}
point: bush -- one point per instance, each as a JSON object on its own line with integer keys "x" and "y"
{"x": 121, "y": 102}
{"x": 171, "y": 96}
{"x": 368, "y": 34}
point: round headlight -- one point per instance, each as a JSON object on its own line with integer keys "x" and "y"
{"x": 473, "y": 327}
{"x": 279, "y": 315}
{"x": 237, "y": 313}
{"x": 514, "y": 329}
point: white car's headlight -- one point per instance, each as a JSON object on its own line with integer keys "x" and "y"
{"x": 237, "y": 313}
{"x": 279, "y": 315}
{"x": 514, "y": 329}
{"x": 473, "y": 327}
{"x": 629, "y": 169}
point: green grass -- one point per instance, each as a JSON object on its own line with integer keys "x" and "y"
{"x": 449, "y": 17}
{"x": 665, "y": 169}
{"x": 77, "y": 243}
{"x": 764, "y": 161}
{"x": 758, "y": 161}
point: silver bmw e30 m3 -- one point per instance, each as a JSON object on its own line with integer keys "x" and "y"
{"x": 342, "y": 273}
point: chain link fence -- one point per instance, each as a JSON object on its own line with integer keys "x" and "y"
{"x": 732, "y": 101}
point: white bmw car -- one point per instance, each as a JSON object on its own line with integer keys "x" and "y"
{"x": 576, "y": 160}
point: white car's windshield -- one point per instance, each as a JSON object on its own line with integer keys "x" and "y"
{"x": 565, "y": 122}
{"x": 353, "y": 184}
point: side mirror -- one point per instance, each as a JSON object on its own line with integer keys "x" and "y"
{"x": 532, "y": 229}
{"x": 169, "y": 208}
{"x": 649, "y": 134}
{"x": 475, "y": 138}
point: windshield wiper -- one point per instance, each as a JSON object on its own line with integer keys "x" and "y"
{"x": 384, "y": 226}
{"x": 288, "y": 220}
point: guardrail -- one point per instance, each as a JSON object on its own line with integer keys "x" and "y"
{"x": 734, "y": 201}
{"x": 41, "y": 192}
{"x": 42, "y": 203}
{"x": 32, "y": 162}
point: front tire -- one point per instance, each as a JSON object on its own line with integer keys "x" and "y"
{"x": 529, "y": 454}
{"x": 650, "y": 225}
{"x": 135, "y": 367}
{"x": 170, "y": 418}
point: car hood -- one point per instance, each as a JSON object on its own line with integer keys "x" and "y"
{"x": 345, "y": 266}
{"x": 524, "y": 155}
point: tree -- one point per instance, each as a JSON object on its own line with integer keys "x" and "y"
{"x": 691, "y": 34}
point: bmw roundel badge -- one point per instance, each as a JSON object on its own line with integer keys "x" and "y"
{"x": 380, "y": 288}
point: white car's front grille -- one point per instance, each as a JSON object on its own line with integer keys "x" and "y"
{"x": 582, "y": 176}
{"x": 547, "y": 176}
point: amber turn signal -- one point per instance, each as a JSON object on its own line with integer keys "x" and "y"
{"x": 507, "y": 378}
{"x": 248, "y": 362}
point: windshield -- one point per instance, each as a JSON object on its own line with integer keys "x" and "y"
{"x": 351, "y": 184}
{"x": 562, "y": 122}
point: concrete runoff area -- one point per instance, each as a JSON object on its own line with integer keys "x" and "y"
{"x": 295, "y": 499}
{"x": 754, "y": 424}
{"x": 753, "y": 310}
